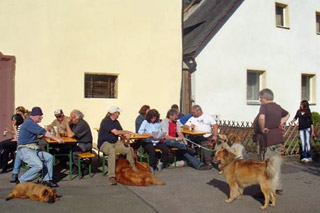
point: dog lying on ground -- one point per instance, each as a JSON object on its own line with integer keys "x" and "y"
{"x": 36, "y": 192}
{"x": 242, "y": 173}
{"x": 142, "y": 177}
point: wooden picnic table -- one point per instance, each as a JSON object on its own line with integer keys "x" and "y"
{"x": 67, "y": 141}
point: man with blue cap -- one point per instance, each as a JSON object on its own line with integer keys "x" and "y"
{"x": 29, "y": 152}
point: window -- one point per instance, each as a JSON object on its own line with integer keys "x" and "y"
{"x": 308, "y": 87}
{"x": 318, "y": 22}
{"x": 282, "y": 15}
{"x": 255, "y": 82}
{"x": 100, "y": 86}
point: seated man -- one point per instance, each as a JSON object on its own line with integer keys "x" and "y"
{"x": 28, "y": 150}
{"x": 108, "y": 143}
{"x": 61, "y": 122}
{"x": 205, "y": 123}
{"x": 79, "y": 129}
{"x": 174, "y": 138}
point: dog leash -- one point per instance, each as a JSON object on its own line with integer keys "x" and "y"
{"x": 198, "y": 145}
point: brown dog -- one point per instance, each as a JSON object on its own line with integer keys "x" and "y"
{"x": 37, "y": 192}
{"x": 242, "y": 173}
{"x": 142, "y": 177}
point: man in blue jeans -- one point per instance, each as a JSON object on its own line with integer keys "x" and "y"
{"x": 29, "y": 152}
{"x": 174, "y": 138}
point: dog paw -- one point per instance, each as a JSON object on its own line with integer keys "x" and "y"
{"x": 229, "y": 200}
{"x": 272, "y": 204}
{"x": 263, "y": 207}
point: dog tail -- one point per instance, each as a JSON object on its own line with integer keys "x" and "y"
{"x": 273, "y": 170}
{"x": 10, "y": 196}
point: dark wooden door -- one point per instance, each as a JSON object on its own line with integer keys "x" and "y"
{"x": 7, "y": 74}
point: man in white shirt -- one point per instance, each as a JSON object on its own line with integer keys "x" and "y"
{"x": 203, "y": 122}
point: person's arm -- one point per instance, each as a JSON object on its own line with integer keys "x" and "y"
{"x": 284, "y": 119}
{"x": 262, "y": 122}
{"x": 142, "y": 127}
{"x": 312, "y": 131}
{"x": 215, "y": 131}
{"x": 49, "y": 135}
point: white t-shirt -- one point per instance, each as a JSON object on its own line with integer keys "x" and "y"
{"x": 202, "y": 123}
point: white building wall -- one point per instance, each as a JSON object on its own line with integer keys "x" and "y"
{"x": 251, "y": 40}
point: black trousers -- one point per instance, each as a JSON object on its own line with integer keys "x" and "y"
{"x": 151, "y": 150}
{"x": 6, "y": 147}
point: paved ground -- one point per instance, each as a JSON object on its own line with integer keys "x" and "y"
{"x": 186, "y": 190}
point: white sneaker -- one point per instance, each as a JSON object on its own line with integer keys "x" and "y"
{"x": 152, "y": 170}
{"x": 309, "y": 159}
{"x": 304, "y": 160}
{"x": 160, "y": 166}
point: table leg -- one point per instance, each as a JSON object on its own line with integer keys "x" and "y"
{"x": 70, "y": 164}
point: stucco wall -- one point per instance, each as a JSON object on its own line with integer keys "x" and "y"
{"x": 250, "y": 40}
{"x": 56, "y": 42}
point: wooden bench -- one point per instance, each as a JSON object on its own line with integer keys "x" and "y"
{"x": 81, "y": 157}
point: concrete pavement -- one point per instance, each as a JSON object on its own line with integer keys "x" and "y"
{"x": 186, "y": 190}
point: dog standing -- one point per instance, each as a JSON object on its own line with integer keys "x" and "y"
{"x": 242, "y": 173}
{"x": 142, "y": 177}
{"x": 36, "y": 192}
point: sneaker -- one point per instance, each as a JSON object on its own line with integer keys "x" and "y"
{"x": 152, "y": 170}
{"x": 14, "y": 178}
{"x": 50, "y": 184}
{"x": 309, "y": 159}
{"x": 304, "y": 160}
{"x": 113, "y": 181}
{"x": 160, "y": 166}
{"x": 205, "y": 167}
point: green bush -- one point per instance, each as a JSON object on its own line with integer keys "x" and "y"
{"x": 315, "y": 117}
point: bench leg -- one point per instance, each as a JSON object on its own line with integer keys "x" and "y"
{"x": 104, "y": 165}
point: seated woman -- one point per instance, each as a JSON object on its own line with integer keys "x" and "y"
{"x": 152, "y": 124}
{"x": 10, "y": 145}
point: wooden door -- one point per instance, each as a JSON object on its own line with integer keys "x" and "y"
{"x": 7, "y": 74}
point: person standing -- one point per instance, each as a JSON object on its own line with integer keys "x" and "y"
{"x": 306, "y": 130}
{"x": 108, "y": 142}
{"x": 28, "y": 149}
{"x": 267, "y": 128}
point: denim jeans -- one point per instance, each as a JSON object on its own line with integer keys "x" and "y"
{"x": 195, "y": 162}
{"x": 305, "y": 137}
{"x": 17, "y": 165}
{"x": 37, "y": 160}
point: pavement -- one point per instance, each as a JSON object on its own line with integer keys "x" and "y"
{"x": 186, "y": 190}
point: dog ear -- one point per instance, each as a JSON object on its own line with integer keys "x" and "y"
{"x": 44, "y": 193}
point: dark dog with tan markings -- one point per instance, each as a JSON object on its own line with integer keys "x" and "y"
{"x": 242, "y": 173}
{"x": 36, "y": 192}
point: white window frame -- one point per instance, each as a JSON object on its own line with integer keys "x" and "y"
{"x": 261, "y": 81}
{"x": 285, "y": 15}
{"x": 310, "y": 93}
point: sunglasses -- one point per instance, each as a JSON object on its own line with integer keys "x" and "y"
{"x": 59, "y": 116}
